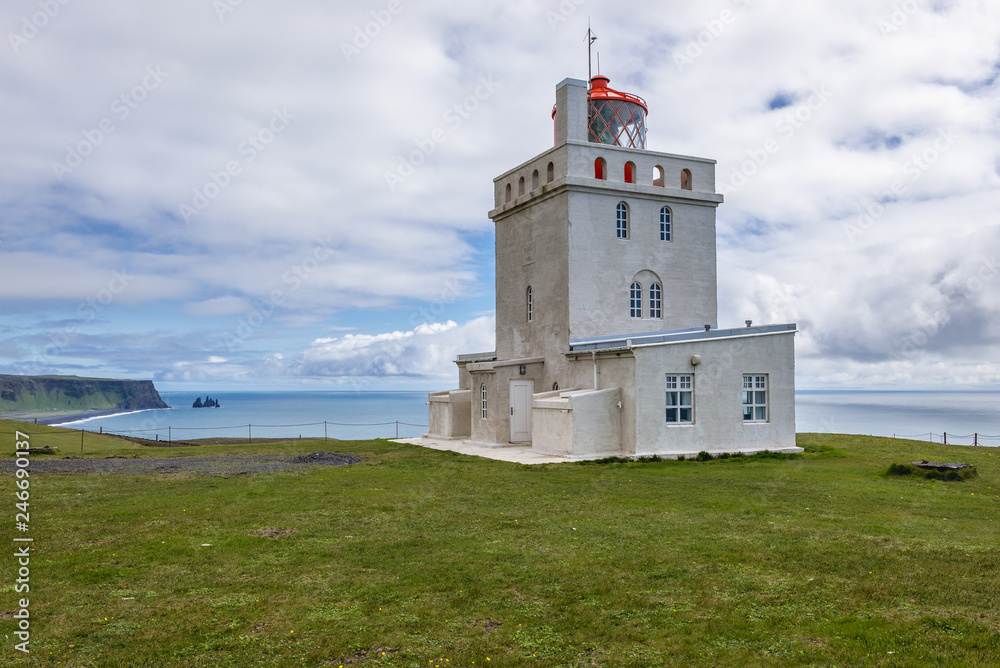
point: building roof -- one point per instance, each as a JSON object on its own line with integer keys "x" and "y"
{"x": 629, "y": 341}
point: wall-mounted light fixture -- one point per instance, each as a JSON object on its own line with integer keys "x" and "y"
{"x": 524, "y": 369}
{"x": 695, "y": 360}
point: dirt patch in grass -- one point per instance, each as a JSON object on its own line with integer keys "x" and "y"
{"x": 221, "y": 465}
{"x": 363, "y": 655}
{"x": 269, "y": 532}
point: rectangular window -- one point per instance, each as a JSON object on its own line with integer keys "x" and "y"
{"x": 655, "y": 301}
{"x": 664, "y": 224}
{"x": 680, "y": 399}
{"x": 622, "y": 218}
{"x": 635, "y": 301}
{"x": 754, "y": 398}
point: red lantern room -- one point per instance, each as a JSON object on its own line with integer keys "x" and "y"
{"x": 615, "y": 118}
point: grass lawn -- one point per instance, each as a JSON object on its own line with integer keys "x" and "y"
{"x": 429, "y": 559}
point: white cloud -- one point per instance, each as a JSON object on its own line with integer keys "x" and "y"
{"x": 427, "y": 351}
{"x": 786, "y": 251}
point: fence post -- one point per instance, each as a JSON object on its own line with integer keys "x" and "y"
{"x": 81, "y": 440}
{"x": 975, "y": 441}
{"x": 397, "y": 428}
{"x": 324, "y": 430}
{"x": 946, "y": 438}
{"x": 250, "y": 433}
{"x": 168, "y": 434}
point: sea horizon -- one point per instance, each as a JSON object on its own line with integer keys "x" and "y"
{"x": 966, "y": 416}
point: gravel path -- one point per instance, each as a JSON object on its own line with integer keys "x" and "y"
{"x": 224, "y": 465}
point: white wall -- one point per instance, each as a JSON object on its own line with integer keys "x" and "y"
{"x": 580, "y": 423}
{"x": 449, "y": 414}
{"x": 718, "y": 423}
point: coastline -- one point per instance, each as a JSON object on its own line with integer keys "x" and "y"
{"x": 64, "y": 418}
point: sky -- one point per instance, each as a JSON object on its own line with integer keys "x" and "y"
{"x": 263, "y": 195}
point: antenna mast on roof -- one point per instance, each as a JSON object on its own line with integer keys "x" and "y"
{"x": 591, "y": 38}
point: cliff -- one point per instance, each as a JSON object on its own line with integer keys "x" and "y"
{"x": 43, "y": 393}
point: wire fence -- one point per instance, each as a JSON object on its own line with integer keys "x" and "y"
{"x": 317, "y": 430}
{"x": 171, "y": 433}
{"x": 945, "y": 438}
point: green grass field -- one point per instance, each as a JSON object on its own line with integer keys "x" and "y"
{"x": 428, "y": 559}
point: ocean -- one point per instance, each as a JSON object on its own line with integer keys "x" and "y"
{"x": 347, "y": 416}
{"x": 965, "y": 417}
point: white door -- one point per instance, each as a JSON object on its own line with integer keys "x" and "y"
{"x": 520, "y": 410}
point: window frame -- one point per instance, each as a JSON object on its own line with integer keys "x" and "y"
{"x": 531, "y": 305}
{"x": 666, "y": 224}
{"x": 621, "y": 221}
{"x": 678, "y": 385}
{"x": 755, "y": 398}
{"x": 656, "y": 301}
{"x": 635, "y": 300}
{"x": 483, "y": 402}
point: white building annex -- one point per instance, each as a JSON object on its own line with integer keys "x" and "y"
{"x": 607, "y": 340}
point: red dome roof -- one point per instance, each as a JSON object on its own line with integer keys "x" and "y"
{"x": 599, "y": 91}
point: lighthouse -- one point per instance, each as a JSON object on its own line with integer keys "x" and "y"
{"x": 607, "y": 333}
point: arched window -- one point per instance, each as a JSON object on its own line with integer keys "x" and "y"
{"x": 482, "y": 396}
{"x": 635, "y": 301}
{"x": 665, "y": 224}
{"x": 534, "y": 179}
{"x": 507, "y": 197}
{"x": 555, "y": 387}
{"x": 550, "y": 173}
{"x": 622, "y": 220}
{"x": 658, "y": 176}
{"x": 600, "y": 169}
{"x": 531, "y": 305}
{"x": 655, "y": 301}
{"x": 520, "y": 187}
{"x": 686, "y": 180}
{"x": 629, "y": 172}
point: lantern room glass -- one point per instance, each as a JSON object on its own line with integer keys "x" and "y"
{"x": 617, "y": 123}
